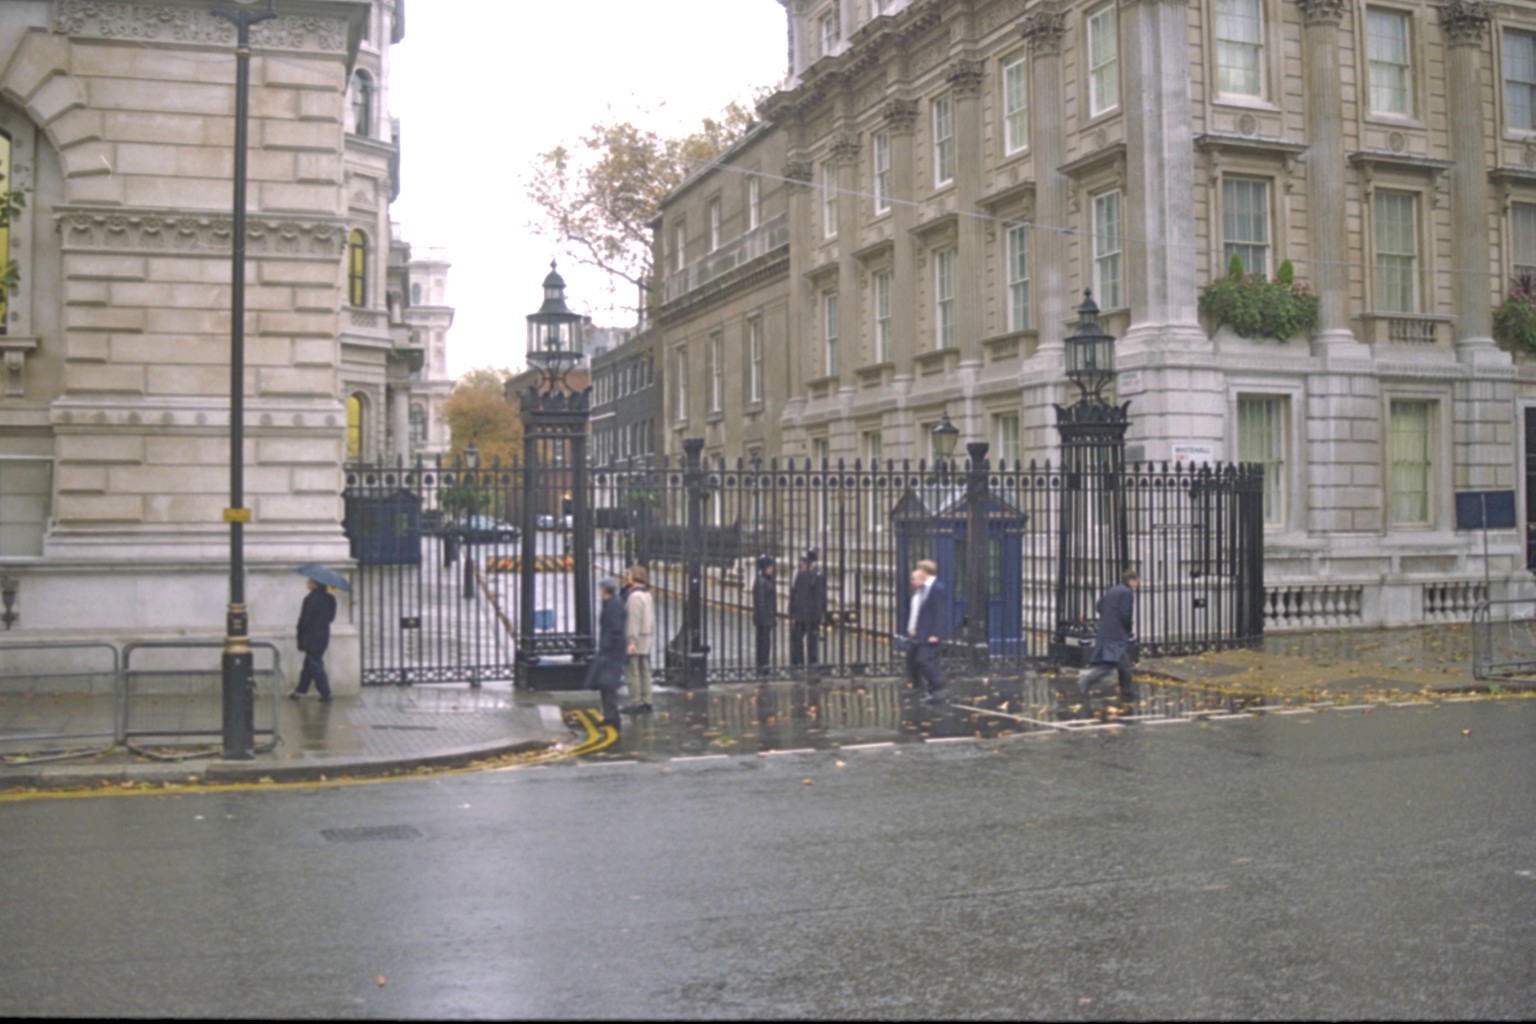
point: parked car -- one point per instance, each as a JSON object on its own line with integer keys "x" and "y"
{"x": 545, "y": 521}
{"x": 486, "y": 529}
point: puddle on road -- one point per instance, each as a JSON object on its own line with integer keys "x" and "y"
{"x": 746, "y": 718}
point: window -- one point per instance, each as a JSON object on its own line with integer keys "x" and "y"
{"x": 1409, "y": 444}
{"x": 1239, "y": 47}
{"x": 26, "y": 490}
{"x": 1245, "y": 223}
{"x": 1103, "y": 61}
{"x": 883, "y": 352}
{"x": 829, "y": 200}
{"x": 1522, "y": 230}
{"x": 1396, "y": 233}
{"x": 680, "y": 374}
{"x": 754, "y": 201}
{"x": 1015, "y": 105}
{"x": 357, "y": 268}
{"x": 1386, "y": 51}
{"x": 714, "y": 369}
{"x": 943, "y": 141}
{"x": 755, "y": 360}
{"x": 5, "y": 231}
{"x": 1520, "y": 80}
{"x": 1261, "y": 440}
{"x": 1008, "y": 451}
{"x": 821, "y": 451}
{"x": 418, "y": 425}
{"x": 354, "y": 427}
{"x": 829, "y": 332}
{"x": 714, "y": 224}
{"x": 362, "y": 104}
{"x": 679, "y": 246}
{"x": 1018, "y": 277}
{"x": 1106, "y": 249}
{"x": 415, "y": 293}
{"x": 831, "y": 32}
{"x": 882, "y": 166}
{"x": 874, "y": 447}
{"x": 944, "y": 298}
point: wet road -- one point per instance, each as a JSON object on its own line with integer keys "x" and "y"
{"x": 1341, "y": 864}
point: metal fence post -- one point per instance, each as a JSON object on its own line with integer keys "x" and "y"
{"x": 695, "y": 654}
{"x": 977, "y": 548}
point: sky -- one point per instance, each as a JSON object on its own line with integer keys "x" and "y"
{"x": 481, "y": 87}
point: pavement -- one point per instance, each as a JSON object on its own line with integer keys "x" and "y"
{"x": 64, "y": 741}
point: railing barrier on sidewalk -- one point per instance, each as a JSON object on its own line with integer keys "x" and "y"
{"x": 171, "y": 703}
{"x": 1504, "y": 638}
{"x": 51, "y": 677}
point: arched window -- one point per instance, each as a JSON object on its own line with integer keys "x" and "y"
{"x": 357, "y": 268}
{"x": 354, "y": 428}
{"x": 362, "y": 103}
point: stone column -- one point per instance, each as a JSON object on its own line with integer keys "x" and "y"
{"x": 1327, "y": 265}
{"x": 1465, "y": 23}
{"x": 1160, "y": 171}
{"x": 1048, "y": 251}
{"x": 900, "y": 119}
{"x": 965, "y": 82}
{"x": 845, "y": 150}
{"x": 802, "y": 307}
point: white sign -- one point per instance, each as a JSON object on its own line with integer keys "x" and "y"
{"x": 1130, "y": 383}
{"x": 1193, "y": 454}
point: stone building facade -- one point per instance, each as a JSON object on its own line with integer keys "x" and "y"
{"x": 956, "y": 173}
{"x": 117, "y": 122}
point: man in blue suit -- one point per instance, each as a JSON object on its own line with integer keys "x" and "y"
{"x": 1112, "y": 643}
{"x": 927, "y": 627}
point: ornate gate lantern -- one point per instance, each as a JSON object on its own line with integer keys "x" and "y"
{"x": 554, "y": 413}
{"x": 1092, "y": 540}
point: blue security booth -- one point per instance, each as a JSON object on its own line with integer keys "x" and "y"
{"x": 384, "y": 530}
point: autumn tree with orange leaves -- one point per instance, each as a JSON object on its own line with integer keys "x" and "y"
{"x": 478, "y": 410}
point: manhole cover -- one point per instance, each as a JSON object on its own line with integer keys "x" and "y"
{"x": 369, "y": 833}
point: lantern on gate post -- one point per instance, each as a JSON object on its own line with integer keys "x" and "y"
{"x": 1093, "y": 541}
{"x": 555, "y": 413}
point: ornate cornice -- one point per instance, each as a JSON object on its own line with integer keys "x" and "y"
{"x": 900, "y": 116}
{"x": 1042, "y": 30}
{"x": 1324, "y": 12}
{"x": 965, "y": 75}
{"x": 845, "y": 147}
{"x": 1465, "y": 22}
{"x": 798, "y": 172}
{"x": 170, "y": 231}
{"x": 159, "y": 22}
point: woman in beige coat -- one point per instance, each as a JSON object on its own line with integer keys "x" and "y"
{"x": 639, "y": 632}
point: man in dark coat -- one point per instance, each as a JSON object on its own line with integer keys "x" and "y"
{"x": 765, "y": 609}
{"x": 1112, "y": 643}
{"x": 605, "y": 672}
{"x": 807, "y": 607}
{"x": 315, "y": 618}
{"x": 927, "y": 627}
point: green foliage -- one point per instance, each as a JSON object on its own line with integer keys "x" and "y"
{"x": 1514, "y": 322}
{"x": 1257, "y": 308}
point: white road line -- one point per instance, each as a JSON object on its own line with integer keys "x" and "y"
{"x": 794, "y": 750}
{"x": 871, "y": 746}
{"x": 703, "y": 757}
{"x": 1016, "y": 718}
{"x": 952, "y": 739}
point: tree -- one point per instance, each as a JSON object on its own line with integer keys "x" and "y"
{"x": 479, "y": 411}
{"x": 598, "y": 198}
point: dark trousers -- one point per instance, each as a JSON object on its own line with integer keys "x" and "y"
{"x": 609, "y": 699}
{"x": 314, "y": 669}
{"x": 923, "y": 667}
{"x": 764, "y": 645}
{"x": 1101, "y": 669}
{"x": 805, "y": 643}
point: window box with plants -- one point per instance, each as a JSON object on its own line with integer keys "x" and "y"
{"x": 1514, "y": 322}
{"x": 1257, "y": 307}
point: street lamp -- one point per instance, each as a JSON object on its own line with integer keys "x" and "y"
{"x": 238, "y": 695}
{"x": 1090, "y": 352}
{"x": 945, "y": 436}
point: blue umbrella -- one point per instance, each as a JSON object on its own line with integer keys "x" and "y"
{"x": 325, "y": 575}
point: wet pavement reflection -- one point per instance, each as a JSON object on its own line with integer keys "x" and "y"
{"x": 778, "y": 716}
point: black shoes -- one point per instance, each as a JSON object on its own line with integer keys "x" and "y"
{"x": 635, "y": 709}
{"x": 938, "y": 696}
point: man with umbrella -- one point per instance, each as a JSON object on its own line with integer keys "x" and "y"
{"x": 315, "y": 618}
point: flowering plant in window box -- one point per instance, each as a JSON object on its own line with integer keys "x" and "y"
{"x": 1514, "y": 322}
{"x": 1255, "y": 307}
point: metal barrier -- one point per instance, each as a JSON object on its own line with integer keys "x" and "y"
{"x": 1504, "y": 638}
{"x": 187, "y": 703}
{"x": 30, "y": 728}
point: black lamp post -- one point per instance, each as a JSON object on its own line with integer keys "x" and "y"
{"x": 555, "y": 417}
{"x": 945, "y": 436}
{"x": 1092, "y": 541}
{"x": 471, "y": 483}
{"x": 238, "y": 695}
